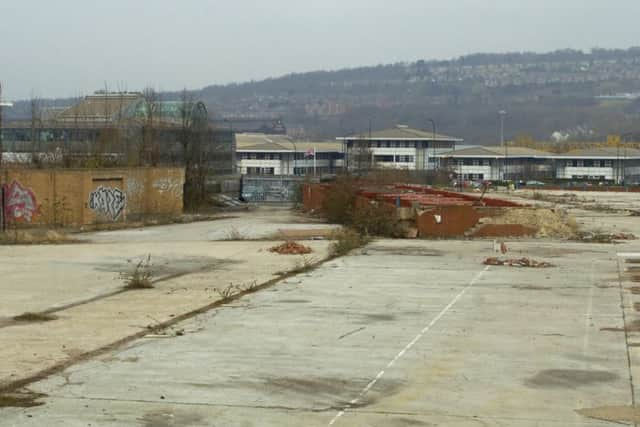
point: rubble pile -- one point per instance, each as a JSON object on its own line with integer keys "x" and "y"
{"x": 291, "y": 248}
{"x": 596, "y": 237}
{"x": 518, "y": 262}
{"x": 548, "y": 222}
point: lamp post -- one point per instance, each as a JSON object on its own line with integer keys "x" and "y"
{"x": 433, "y": 126}
{"x": 233, "y": 145}
{"x": 295, "y": 155}
{"x": 623, "y": 140}
{"x": 503, "y": 113}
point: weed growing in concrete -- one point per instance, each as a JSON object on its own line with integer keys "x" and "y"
{"x": 346, "y": 240}
{"x": 141, "y": 276}
{"x": 228, "y": 292}
{"x": 304, "y": 265}
{"x": 234, "y": 234}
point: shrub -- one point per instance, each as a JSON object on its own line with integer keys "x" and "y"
{"x": 339, "y": 201}
{"x": 376, "y": 219}
{"x": 141, "y": 275}
{"x": 346, "y": 240}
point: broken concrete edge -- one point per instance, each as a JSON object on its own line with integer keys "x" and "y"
{"x": 20, "y": 384}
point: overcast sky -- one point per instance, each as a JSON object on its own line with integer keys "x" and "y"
{"x": 66, "y": 48}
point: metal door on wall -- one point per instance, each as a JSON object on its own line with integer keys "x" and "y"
{"x": 107, "y": 199}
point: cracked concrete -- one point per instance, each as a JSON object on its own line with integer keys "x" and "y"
{"x": 387, "y": 339}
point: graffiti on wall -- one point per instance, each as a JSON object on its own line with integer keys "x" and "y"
{"x": 19, "y": 202}
{"x": 108, "y": 202}
{"x": 168, "y": 185}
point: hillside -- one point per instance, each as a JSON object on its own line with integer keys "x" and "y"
{"x": 574, "y": 94}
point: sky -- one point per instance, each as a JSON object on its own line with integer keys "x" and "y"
{"x": 68, "y": 48}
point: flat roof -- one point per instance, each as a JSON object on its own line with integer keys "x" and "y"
{"x": 496, "y": 152}
{"x": 401, "y": 133}
{"x": 255, "y": 142}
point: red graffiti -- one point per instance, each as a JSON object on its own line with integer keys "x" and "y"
{"x": 19, "y": 202}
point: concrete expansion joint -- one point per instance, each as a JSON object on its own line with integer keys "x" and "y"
{"x": 165, "y": 402}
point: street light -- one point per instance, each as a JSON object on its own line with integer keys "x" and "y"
{"x": 433, "y": 125}
{"x": 295, "y": 155}
{"x": 503, "y": 113}
{"x": 233, "y": 145}
{"x": 623, "y": 139}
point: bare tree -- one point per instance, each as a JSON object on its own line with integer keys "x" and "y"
{"x": 35, "y": 104}
{"x": 192, "y": 133}
{"x": 149, "y": 148}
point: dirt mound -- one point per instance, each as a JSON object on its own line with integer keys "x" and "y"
{"x": 546, "y": 222}
{"x": 291, "y": 248}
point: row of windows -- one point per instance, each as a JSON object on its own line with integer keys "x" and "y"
{"x": 394, "y": 159}
{"x": 472, "y": 177}
{"x": 260, "y": 171}
{"x": 589, "y": 163}
{"x": 474, "y": 162}
{"x": 287, "y": 156}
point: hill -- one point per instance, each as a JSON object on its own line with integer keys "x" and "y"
{"x": 567, "y": 93}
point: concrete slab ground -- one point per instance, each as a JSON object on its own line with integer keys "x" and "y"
{"x": 400, "y": 334}
{"x": 261, "y": 222}
{"x": 80, "y": 285}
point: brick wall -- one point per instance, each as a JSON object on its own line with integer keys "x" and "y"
{"x": 74, "y": 197}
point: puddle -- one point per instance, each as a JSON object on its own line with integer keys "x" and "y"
{"x": 25, "y": 399}
{"x": 569, "y": 378}
{"x": 406, "y": 251}
{"x": 170, "y": 418}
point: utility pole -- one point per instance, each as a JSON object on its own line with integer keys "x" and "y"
{"x": 503, "y": 113}
{"x": 433, "y": 126}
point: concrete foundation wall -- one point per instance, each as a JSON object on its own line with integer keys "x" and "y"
{"x": 74, "y": 197}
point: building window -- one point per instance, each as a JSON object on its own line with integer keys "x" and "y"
{"x": 383, "y": 159}
{"x": 580, "y": 163}
{"x": 405, "y": 159}
{"x": 607, "y": 163}
{"x": 476, "y": 162}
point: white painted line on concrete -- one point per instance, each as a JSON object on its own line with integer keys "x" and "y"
{"x": 629, "y": 255}
{"x": 408, "y": 346}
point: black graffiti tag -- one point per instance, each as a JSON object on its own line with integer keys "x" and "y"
{"x": 107, "y": 201}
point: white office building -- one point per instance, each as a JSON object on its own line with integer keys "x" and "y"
{"x": 400, "y": 147}
{"x": 261, "y": 154}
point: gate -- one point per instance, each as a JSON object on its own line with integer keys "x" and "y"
{"x": 269, "y": 189}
